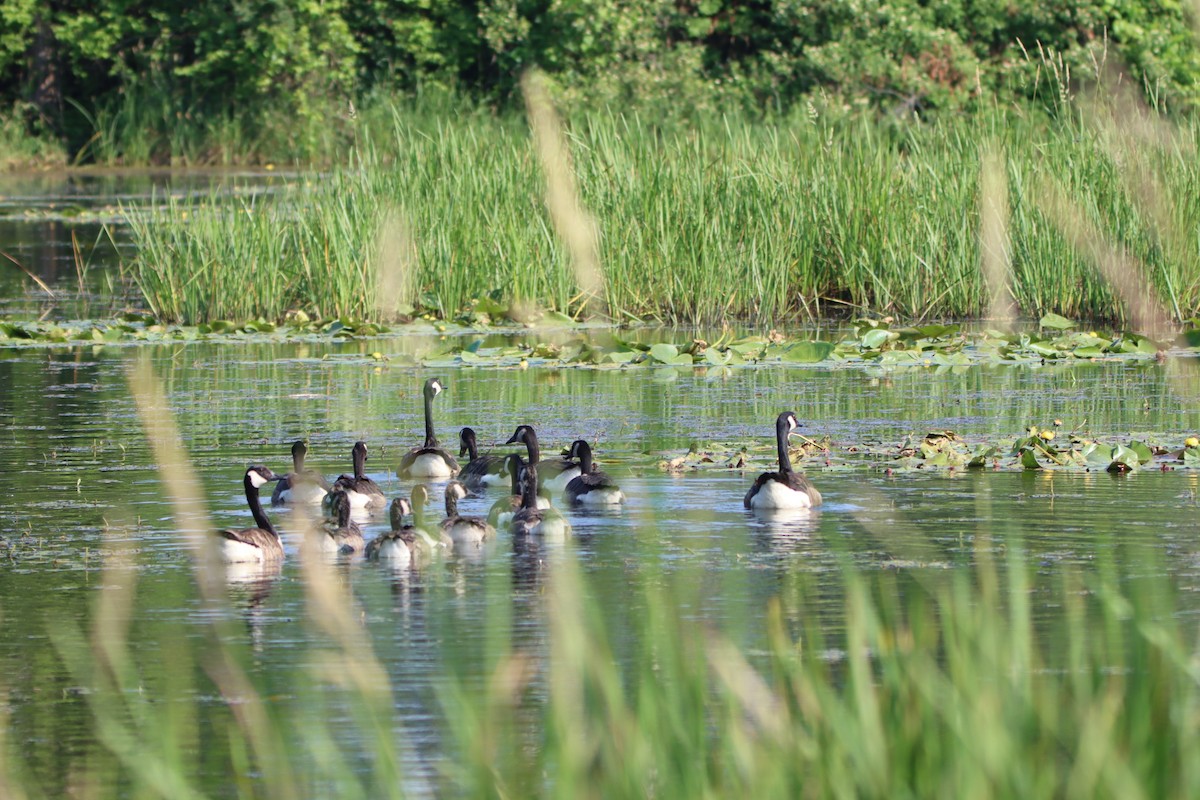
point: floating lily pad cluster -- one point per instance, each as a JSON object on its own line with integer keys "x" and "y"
{"x": 872, "y": 343}
{"x": 138, "y": 327}
{"x": 1037, "y": 449}
{"x": 1040, "y": 450}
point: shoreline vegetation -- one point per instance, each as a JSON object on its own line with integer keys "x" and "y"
{"x": 293, "y": 83}
{"x": 1081, "y": 205}
{"x": 827, "y": 214}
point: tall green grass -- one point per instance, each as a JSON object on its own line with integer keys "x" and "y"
{"x": 733, "y": 219}
{"x": 145, "y": 124}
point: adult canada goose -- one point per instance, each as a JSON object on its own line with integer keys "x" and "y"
{"x": 480, "y": 471}
{"x": 300, "y": 485}
{"x": 362, "y": 491}
{"x": 434, "y": 537}
{"x": 531, "y": 520}
{"x": 503, "y": 509}
{"x": 592, "y": 487}
{"x": 463, "y": 530}
{"x": 398, "y": 545}
{"x": 551, "y": 474}
{"x": 346, "y": 537}
{"x": 429, "y": 460}
{"x": 786, "y": 488}
{"x": 253, "y": 544}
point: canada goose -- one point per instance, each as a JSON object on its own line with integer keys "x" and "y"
{"x": 592, "y": 487}
{"x": 503, "y": 509}
{"x": 463, "y": 530}
{"x": 552, "y": 474}
{"x": 399, "y": 544}
{"x": 429, "y": 460}
{"x": 300, "y": 485}
{"x": 436, "y": 539}
{"x": 531, "y": 520}
{"x": 253, "y": 544}
{"x": 786, "y": 488}
{"x": 480, "y": 471}
{"x": 362, "y": 491}
{"x": 346, "y": 537}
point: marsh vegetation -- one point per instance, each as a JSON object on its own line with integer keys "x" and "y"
{"x": 732, "y": 220}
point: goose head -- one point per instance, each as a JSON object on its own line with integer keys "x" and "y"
{"x": 787, "y": 423}
{"x": 401, "y": 508}
{"x": 466, "y": 441}
{"x": 259, "y": 476}
{"x": 522, "y": 435}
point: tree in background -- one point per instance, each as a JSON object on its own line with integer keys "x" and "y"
{"x": 264, "y": 77}
{"x": 157, "y": 64}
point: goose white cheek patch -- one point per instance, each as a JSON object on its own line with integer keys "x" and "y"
{"x": 258, "y": 481}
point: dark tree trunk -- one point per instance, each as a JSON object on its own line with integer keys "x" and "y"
{"x": 47, "y": 89}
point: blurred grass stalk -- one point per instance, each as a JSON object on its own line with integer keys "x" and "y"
{"x": 574, "y": 225}
{"x": 945, "y": 687}
{"x": 994, "y": 249}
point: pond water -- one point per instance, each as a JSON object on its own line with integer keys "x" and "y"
{"x": 83, "y": 486}
{"x": 68, "y": 230}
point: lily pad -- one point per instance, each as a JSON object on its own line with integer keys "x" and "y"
{"x": 1029, "y": 459}
{"x": 937, "y": 331}
{"x": 718, "y": 358}
{"x": 808, "y": 352}
{"x": 979, "y": 458}
{"x": 1145, "y": 456}
{"x": 1056, "y": 322}
{"x": 664, "y": 352}
{"x": 874, "y": 339}
{"x": 1124, "y": 458}
{"x": 1097, "y": 454}
{"x": 749, "y": 349}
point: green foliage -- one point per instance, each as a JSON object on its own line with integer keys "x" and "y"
{"x": 25, "y": 145}
{"x": 142, "y": 72}
{"x": 1154, "y": 38}
{"x": 288, "y": 70}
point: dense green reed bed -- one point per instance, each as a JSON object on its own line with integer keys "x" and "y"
{"x": 730, "y": 219}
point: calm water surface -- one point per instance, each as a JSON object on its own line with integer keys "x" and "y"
{"x": 69, "y": 229}
{"x": 81, "y": 485}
